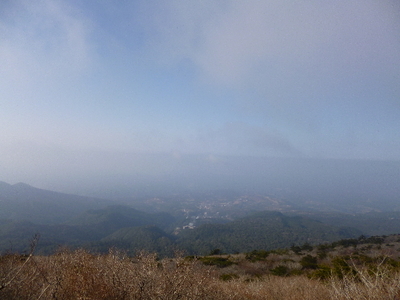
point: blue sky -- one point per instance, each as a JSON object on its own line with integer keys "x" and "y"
{"x": 85, "y": 80}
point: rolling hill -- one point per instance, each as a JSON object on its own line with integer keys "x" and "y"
{"x": 24, "y": 202}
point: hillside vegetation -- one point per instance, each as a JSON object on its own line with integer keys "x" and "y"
{"x": 194, "y": 223}
{"x": 264, "y": 230}
{"x": 364, "y": 268}
{"x": 130, "y": 230}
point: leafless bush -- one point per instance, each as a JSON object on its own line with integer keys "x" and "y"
{"x": 81, "y": 275}
{"x": 377, "y": 283}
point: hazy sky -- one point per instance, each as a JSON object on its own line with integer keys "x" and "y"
{"x": 86, "y": 84}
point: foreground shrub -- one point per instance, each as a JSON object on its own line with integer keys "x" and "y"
{"x": 81, "y": 275}
{"x": 280, "y": 271}
{"x": 309, "y": 262}
{"x": 257, "y": 255}
{"x": 220, "y": 262}
{"x": 364, "y": 284}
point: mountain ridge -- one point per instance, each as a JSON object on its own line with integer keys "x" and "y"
{"x": 21, "y": 201}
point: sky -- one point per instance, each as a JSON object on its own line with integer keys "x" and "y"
{"x": 94, "y": 87}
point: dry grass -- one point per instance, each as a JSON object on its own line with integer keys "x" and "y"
{"x": 81, "y": 275}
{"x": 380, "y": 283}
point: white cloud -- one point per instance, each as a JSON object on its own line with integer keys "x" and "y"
{"x": 41, "y": 40}
{"x": 264, "y": 38}
{"x": 238, "y": 138}
{"x": 247, "y": 44}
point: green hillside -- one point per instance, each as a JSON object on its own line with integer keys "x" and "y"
{"x": 133, "y": 230}
{"x": 135, "y": 239}
{"x": 103, "y": 222}
{"x": 371, "y": 223}
{"x": 86, "y": 229}
{"x": 265, "y": 230}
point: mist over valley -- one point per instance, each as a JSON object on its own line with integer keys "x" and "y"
{"x": 321, "y": 200}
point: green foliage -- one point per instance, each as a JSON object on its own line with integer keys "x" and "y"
{"x": 228, "y": 277}
{"x": 374, "y": 240}
{"x": 296, "y": 249}
{"x": 216, "y": 252}
{"x": 324, "y": 247}
{"x": 388, "y": 261}
{"x": 296, "y": 272}
{"x": 257, "y": 255}
{"x": 322, "y": 254}
{"x": 347, "y": 242}
{"x": 280, "y": 271}
{"x": 307, "y": 247}
{"x": 279, "y": 251}
{"x": 309, "y": 262}
{"x": 341, "y": 267}
{"x": 220, "y": 262}
{"x": 322, "y": 273}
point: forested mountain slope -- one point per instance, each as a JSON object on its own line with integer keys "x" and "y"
{"x": 24, "y": 202}
{"x": 264, "y": 230}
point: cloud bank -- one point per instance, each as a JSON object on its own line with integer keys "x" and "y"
{"x": 227, "y": 78}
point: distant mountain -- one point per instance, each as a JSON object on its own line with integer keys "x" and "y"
{"x": 24, "y": 202}
{"x": 265, "y": 230}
